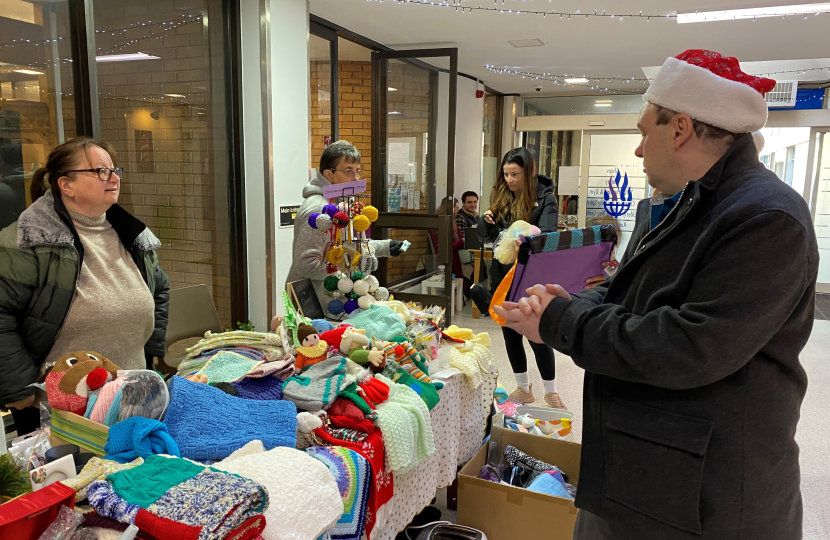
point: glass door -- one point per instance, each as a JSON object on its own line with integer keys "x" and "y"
{"x": 412, "y": 172}
{"x": 817, "y": 194}
{"x": 612, "y": 182}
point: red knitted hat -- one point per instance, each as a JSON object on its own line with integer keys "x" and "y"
{"x": 333, "y": 337}
{"x": 711, "y": 88}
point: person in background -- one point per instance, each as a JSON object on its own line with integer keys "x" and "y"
{"x": 520, "y": 194}
{"x": 689, "y": 335}
{"x": 12, "y": 182}
{"x": 449, "y": 206}
{"x": 77, "y": 272}
{"x": 469, "y": 205}
{"x": 340, "y": 163}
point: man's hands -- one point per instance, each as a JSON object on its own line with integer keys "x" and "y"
{"x": 524, "y": 316}
{"x": 22, "y": 404}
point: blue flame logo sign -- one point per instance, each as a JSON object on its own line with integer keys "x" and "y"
{"x": 618, "y": 200}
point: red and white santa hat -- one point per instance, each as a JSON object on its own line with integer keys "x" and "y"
{"x": 711, "y": 88}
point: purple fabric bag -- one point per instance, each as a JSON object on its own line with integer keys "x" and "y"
{"x": 566, "y": 258}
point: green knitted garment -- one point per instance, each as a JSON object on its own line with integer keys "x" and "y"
{"x": 406, "y": 427}
{"x": 146, "y": 483}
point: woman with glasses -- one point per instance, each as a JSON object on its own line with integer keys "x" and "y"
{"x": 77, "y": 272}
{"x": 340, "y": 163}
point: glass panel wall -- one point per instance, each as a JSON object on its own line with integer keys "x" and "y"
{"x": 162, "y": 99}
{"x": 491, "y": 148}
{"x": 785, "y": 153}
{"x": 354, "y": 78}
{"x": 36, "y": 109}
{"x": 821, "y": 216}
{"x": 319, "y": 57}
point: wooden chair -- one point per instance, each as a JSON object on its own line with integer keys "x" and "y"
{"x": 192, "y": 313}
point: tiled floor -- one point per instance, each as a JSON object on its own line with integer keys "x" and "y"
{"x": 813, "y": 433}
{"x": 823, "y": 307}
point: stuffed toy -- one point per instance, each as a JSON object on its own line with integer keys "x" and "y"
{"x": 346, "y": 338}
{"x": 311, "y": 350}
{"x": 409, "y": 359}
{"x": 507, "y": 245}
{"x": 74, "y": 377}
{"x": 374, "y": 359}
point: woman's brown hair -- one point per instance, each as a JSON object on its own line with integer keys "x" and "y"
{"x": 510, "y": 206}
{"x": 61, "y": 159}
{"x": 446, "y": 208}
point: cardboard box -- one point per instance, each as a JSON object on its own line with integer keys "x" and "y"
{"x": 69, "y": 428}
{"x": 507, "y": 512}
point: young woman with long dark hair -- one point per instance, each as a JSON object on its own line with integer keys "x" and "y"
{"x": 521, "y": 194}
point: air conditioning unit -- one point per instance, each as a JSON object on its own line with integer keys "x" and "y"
{"x": 782, "y": 95}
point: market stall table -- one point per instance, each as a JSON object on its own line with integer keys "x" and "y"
{"x": 458, "y": 425}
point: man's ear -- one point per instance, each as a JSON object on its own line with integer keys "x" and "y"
{"x": 684, "y": 129}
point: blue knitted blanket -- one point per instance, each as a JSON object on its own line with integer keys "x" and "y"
{"x": 209, "y": 424}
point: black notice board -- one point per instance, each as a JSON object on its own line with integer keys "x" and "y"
{"x": 287, "y": 215}
{"x": 304, "y": 298}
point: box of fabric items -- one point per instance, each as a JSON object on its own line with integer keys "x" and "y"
{"x": 519, "y": 484}
{"x": 88, "y": 394}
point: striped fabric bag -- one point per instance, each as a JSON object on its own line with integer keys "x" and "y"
{"x": 566, "y": 258}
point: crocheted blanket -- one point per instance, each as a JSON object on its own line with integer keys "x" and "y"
{"x": 353, "y": 475}
{"x": 209, "y": 424}
{"x": 270, "y": 344}
{"x": 406, "y": 426}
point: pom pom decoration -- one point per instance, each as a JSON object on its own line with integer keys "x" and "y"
{"x": 366, "y": 264}
{"x": 370, "y": 212}
{"x": 340, "y": 220}
{"x": 361, "y": 223}
{"x": 356, "y": 208}
{"x": 344, "y": 285}
{"x": 307, "y": 422}
{"x": 357, "y": 275}
{"x": 365, "y": 302}
{"x": 373, "y": 283}
{"x": 323, "y": 222}
{"x": 350, "y": 306}
{"x": 361, "y": 287}
{"x": 330, "y": 283}
{"x": 382, "y": 294}
{"x": 334, "y": 254}
{"x": 343, "y": 207}
{"x": 335, "y": 307}
{"x": 330, "y": 210}
{"x": 312, "y": 220}
{"x": 335, "y": 294}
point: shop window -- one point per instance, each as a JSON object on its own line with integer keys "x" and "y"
{"x": 162, "y": 99}
{"x": 354, "y": 82}
{"x": 36, "y": 108}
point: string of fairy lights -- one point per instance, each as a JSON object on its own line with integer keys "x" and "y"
{"x": 501, "y": 7}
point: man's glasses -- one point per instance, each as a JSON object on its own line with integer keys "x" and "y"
{"x": 104, "y": 173}
{"x": 349, "y": 171}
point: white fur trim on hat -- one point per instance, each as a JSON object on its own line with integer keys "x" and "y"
{"x": 707, "y": 97}
{"x": 759, "y": 140}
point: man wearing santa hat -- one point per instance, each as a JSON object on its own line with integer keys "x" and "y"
{"x": 693, "y": 386}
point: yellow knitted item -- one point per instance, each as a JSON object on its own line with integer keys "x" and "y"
{"x": 97, "y": 469}
{"x": 473, "y": 358}
{"x": 462, "y": 333}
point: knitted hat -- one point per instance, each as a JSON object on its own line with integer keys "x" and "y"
{"x": 317, "y": 387}
{"x": 321, "y": 325}
{"x": 379, "y": 321}
{"x": 711, "y": 88}
{"x": 345, "y": 408}
{"x": 209, "y": 424}
{"x": 104, "y": 401}
{"x": 260, "y": 388}
{"x": 139, "y": 437}
{"x": 333, "y": 337}
{"x": 309, "y": 499}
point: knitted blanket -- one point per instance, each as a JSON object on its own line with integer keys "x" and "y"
{"x": 209, "y": 424}
{"x": 382, "y": 485}
{"x": 228, "y": 367}
{"x": 309, "y": 500}
{"x": 406, "y": 427}
{"x": 259, "y": 388}
{"x": 379, "y": 322}
{"x": 317, "y": 387}
{"x": 270, "y": 344}
{"x": 139, "y": 437}
{"x": 96, "y": 469}
{"x": 145, "y": 484}
{"x": 353, "y": 475}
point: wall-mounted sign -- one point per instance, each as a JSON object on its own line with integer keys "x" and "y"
{"x": 287, "y": 215}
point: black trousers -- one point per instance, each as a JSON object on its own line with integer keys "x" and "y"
{"x": 26, "y": 420}
{"x": 545, "y": 360}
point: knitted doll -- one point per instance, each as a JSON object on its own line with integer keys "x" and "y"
{"x": 346, "y": 338}
{"x": 410, "y": 360}
{"x": 74, "y": 376}
{"x": 312, "y": 349}
{"x": 374, "y": 359}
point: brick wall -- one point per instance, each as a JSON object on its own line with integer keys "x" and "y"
{"x": 175, "y": 176}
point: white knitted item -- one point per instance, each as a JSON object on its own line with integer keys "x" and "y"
{"x": 406, "y": 427}
{"x": 473, "y": 358}
{"x": 305, "y": 501}
{"x": 253, "y": 447}
{"x": 705, "y": 96}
